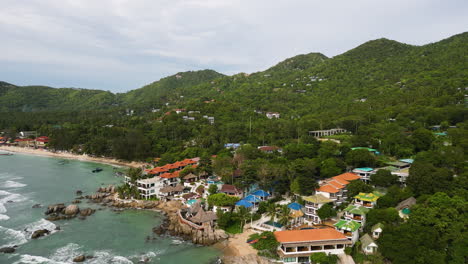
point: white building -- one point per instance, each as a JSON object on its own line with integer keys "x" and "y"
{"x": 377, "y": 230}
{"x": 349, "y": 228}
{"x": 368, "y": 244}
{"x": 271, "y": 115}
{"x": 296, "y": 246}
{"x": 365, "y": 173}
{"x": 313, "y": 203}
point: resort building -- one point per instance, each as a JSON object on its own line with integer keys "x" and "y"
{"x": 197, "y": 218}
{"x": 335, "y": 188}
{"x": 296, "y": 246}
{"x": 356, "y": 213}
{"x": 271, "y": 115}
{"x": 329, "y": 132}
{"x": 402, "y": 173}
{"x": 377, "y": 230}
{"x": 368, "y": 200}
{"x": 312, "y": 204}
{"x": 368, "y": 244}
{"x": 297, "y": 215}
{"x": 349, "y": 228}
{"x": 231, "y": 190}
{"x": 163, "y": 181}
{"x": 364, "y": 173}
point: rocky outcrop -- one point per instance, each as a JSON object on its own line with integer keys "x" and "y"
{"x": 55, "y": 209}
{"x": 39, "y": 233}
{"x": 173, "y": 226}
{"x": 37, "y": 206}
{"x": 79, "y": 258}
{"x": 247, "y": 259}
{"x": 7, "y": 250}
{"x": 79, "y": 192}
{"x": 72, "y": 209}
{"x": 87, "y": 212}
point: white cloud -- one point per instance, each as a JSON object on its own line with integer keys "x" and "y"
{"x": 139, "y": 41}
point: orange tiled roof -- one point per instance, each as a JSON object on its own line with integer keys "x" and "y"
{"x": 336, "y": 184}
{"x": 339, "y": 180}
{"x": 295, "y": 236}
{"x": 348, "y": 176}
{"x": 328, "y": 188}
{"x": 170, "y": 175}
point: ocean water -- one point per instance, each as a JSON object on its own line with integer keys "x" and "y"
{"x": 108, "y": 236}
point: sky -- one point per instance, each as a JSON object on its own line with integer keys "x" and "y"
{"x": 120, "y": 45}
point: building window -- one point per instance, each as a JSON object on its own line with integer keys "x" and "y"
{"x": 285, "y": 260}
{"x": 339, "y": 246}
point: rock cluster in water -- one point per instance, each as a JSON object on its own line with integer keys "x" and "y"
{"x": 61, "y": 212}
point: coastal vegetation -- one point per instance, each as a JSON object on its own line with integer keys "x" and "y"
{"x": 396, "y": 101}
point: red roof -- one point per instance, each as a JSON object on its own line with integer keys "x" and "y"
{"x": 296, "y": 236}
{"x": 43, "y": 139}
{"x": 328, "y": 188}
{"x": 268, "y": 148}
{"x": 170, "y": 175}
{"x": 336, "y": 184}
{"x": 348, "y": 176}
{"x": 23, "y": 139}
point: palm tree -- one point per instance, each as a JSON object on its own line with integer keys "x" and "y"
{"x": 242, "y": 215}
{"x": 284, "y": 215}
{"x": 272, "y": 211}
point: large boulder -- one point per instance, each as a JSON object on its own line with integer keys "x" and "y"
{"x": 80, "y": 258}
{"x": 39, "y": 233}
{"x": 72, "y": 209}
{"x": 55, "y": 208}
{"x": 7, "y": 250}
{"x": 87, "y": 212}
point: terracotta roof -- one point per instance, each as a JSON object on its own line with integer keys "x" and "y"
{"x": 340, "y": 180}
{"x": 348, "y": 176}
{"x": 227, "y": 188}
{"x": 336, "y": 184}
{"x": 170, "y": 175}
{"x": 294, "y": 236}
{"x": 328, "y": 188}
{"x": 268, "y": 148}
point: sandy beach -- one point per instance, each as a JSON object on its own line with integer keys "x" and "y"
{"x": 67, "y": 155}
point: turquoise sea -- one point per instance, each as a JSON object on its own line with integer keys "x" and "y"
{"x": 108, "y": 236}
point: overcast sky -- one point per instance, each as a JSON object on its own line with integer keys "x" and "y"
{"x": 120, "y": 45}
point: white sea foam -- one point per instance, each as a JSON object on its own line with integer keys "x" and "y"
{"x": 106, "y": 257}
{"x": 67, "y": 253}
{"x": 28, "y": 259}
{"x": 14, "y": 197}
{"x": 2, "y": 208}
{"x": 3, "y": 193}
{"x": 4, "y": 217}
{"x": 14, "y": 237}
{"x": 38, "y": 225}
{"x": 12, "y": 184}
{"x": 177, "y": 242}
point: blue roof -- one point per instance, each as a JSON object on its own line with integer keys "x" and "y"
{"x": 244, "y": 203}
{"x": 252, "y": 199}
{"x": 261, "y": 193}
{"x": 407, "y": 160}
{"x": 295, "y": 206}
{"x": 365, "y": 169}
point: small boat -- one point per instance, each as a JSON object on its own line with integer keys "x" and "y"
{"x": 6, "y": 154}
{"x": 97, "y": 170}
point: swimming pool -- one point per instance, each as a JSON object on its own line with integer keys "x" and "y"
{"x": 274, "y": 224}
{"x": 191, "y": 201}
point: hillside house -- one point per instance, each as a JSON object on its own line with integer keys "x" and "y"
{"x": 270, "y": 149}
{"x": 334, "y": 188}
{"x": 368, "y": 200}
{"x": 364, "y": 173}
{"x": 312, "y": 204}
{"x": 368, "y": 244}
{"x": 231, "y": 190}
{"x": 356, "y": 213}
{"x": 377, "y": 230}
{"x": 271, "y": 115}
{"x": 349, "y": 228}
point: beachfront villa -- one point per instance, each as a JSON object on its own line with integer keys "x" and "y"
{"x": 368, "y": 200}
{"x": 334, "y": 188}
{"x": 356, "y": 213}
{"x": 163, "y": 182}
{"x": 312, "y": 204}
{"x": 349, "y": 228}
{"x": 296, "y": 246}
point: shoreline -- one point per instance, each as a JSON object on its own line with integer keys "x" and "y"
{"x": 71, "y": 156}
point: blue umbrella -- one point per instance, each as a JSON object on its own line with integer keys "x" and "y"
{"x": 295, "y": 206}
